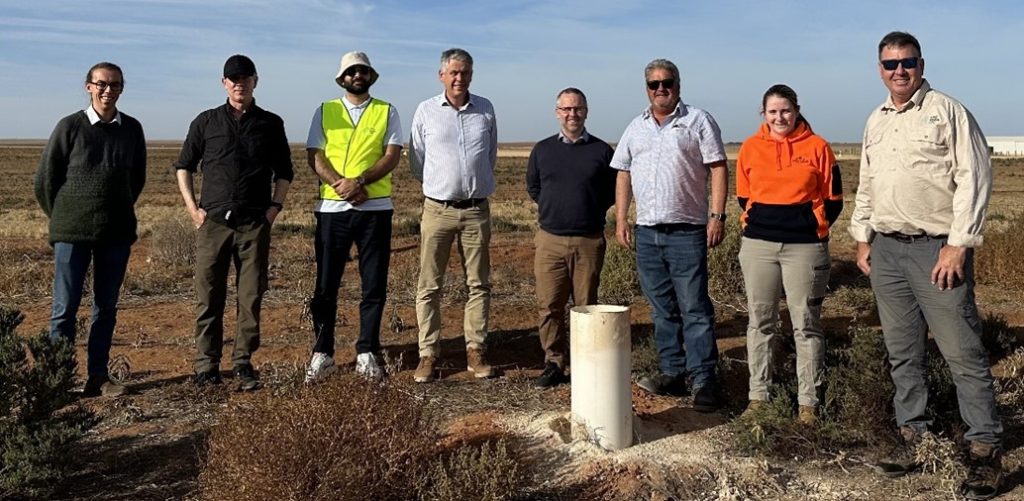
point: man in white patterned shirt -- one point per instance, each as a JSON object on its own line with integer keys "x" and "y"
{"x": 925, "y": 182}
{"x": 453, "y": 150}
{"x": 665, "y": 159}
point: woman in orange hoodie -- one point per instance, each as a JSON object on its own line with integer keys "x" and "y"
{"x": 789, "y": 188}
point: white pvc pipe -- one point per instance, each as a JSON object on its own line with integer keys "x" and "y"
{"x": 602, "y": 401}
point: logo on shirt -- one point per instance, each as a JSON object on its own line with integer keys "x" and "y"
{"x": 934, "y": 119}
{"x": 801, "y": 160}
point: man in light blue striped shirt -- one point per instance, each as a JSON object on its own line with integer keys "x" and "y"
{"x": 453, "y": 150}
{"x": 665, "y": 158}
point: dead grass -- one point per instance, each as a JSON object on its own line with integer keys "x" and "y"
{"x": 347, "y": 439}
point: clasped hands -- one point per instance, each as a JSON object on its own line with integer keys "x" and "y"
{"x": 350, "y": 191}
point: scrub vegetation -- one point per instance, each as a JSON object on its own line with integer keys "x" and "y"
{"x": 458, "y": 438}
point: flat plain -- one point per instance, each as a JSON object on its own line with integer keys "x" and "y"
{"x": 151, "y": 445}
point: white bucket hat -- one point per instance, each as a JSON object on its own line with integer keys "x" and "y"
{"x": 355, "y": 58}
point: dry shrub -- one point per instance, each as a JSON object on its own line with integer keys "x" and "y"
{"x": 343, "y": 439}
{"x": 26, "y": 269}
{"x": 347, "y": 438}
{"x": 485, "y": 473}
{"x": 173, "y": 243}
{"x": 997, "y": 336}
{"x": 940, "y": 456}
{"x": 859, "y": 299}
{"x": 619, "y": 281}
{"x": 725, "y": 277}
{"x": 857, "y": 409}
{"x": 996, "y": 262}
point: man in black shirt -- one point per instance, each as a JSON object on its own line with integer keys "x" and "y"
{"x": 243, "y": 151}
{"x": 569, "y": 177}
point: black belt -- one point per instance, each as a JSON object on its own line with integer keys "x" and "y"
{"x": 667, "y": 227}
{"x": 909, "y": 239}
{"x": 460, "y": 204}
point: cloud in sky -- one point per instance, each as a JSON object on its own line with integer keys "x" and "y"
{"x": 728, "y": 52}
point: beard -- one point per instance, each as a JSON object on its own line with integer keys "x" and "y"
{"x": 356, "y": 88}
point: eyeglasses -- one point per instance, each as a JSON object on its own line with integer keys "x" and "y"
{"x": 353, "y": 70}
{"x": 908, "y": 63}
{"x": 667, "y": 83}
{"x": 114, "y": 86}
{"x": 569, "y": 109}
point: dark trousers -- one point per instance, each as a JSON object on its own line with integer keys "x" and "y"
{"x": 217, "y": 246}
{"x": 370, "y": 231}
{"x": 71, "y": 264}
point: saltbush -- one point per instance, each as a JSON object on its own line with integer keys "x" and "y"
{"x": 39, "y": 421}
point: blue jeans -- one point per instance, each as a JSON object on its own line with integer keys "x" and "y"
{"x": 71, "y": 264}
{"x": 672, "y": 262}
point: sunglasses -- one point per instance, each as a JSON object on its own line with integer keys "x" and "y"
{"x": 667, "y": 83}
{"x": 908, "y": 63}
{"x": 351, "y": 72}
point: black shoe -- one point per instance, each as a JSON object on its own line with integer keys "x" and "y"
{"x": 985, "y": 462}
{"x": 707, "y": 398}
{"x": 902, "y": 458}
{"x": 208, "y": 378}
{"x": 664, "y": 384}
{"x": 247, "y": 379}
{"x": 552, "y": 376}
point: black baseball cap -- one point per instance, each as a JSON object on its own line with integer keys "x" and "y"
{"x": 239, "y": 65}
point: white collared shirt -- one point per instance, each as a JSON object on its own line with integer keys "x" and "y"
{"x": 453, "y": 151}
{"x": 94, "y": 117}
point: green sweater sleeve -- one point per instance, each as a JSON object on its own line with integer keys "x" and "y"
{"x": 53, "y": 166}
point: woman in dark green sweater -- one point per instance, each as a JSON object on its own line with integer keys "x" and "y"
{"x": 91, "y": 173}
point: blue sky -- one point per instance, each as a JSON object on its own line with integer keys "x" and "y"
{"x": 728, "y": 52}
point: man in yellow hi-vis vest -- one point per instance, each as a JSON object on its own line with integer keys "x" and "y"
{"x": 353, "y": 145}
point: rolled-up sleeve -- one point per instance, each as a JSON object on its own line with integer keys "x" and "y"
{"x": 860, "y": 221}
{"x": 417, "y": 145}
{"x": 972, "y": 173}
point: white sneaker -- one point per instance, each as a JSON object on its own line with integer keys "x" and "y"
{"x": 321, "y": 366}
{"x": 367, "y": 366}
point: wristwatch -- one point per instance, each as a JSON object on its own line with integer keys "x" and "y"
{"x": 717, "y": 215}
{"x": 361, "y": 181}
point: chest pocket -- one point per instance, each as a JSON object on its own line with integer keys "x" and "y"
{"x": 928, "y": 151}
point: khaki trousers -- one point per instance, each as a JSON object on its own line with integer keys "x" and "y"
{"x": 802, "y": 270}
{"x": 564, "y": 265}
{"x": 470, "y": 230}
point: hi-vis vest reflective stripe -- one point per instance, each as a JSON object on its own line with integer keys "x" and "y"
{"x": 353, "y": 149}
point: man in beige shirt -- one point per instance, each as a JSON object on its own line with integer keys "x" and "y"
{"x": 925, "y": 181}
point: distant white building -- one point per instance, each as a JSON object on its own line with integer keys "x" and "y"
{"x": 1006, "y": 145}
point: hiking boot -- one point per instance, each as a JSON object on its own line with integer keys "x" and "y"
{"x": 807, "y": 415}
{"x": 367, "y": 366}
{"x": 97, "y": 386}
{"x": 320, "y": 366}
{"x": 707, "y": 398}
{"x": 208, "y": 378}
{"x": 902, "y": 458}
{"x": 752, "y": 407}
{"x": 553, "y": 376}
{"x": 664, "y": 384}
{"x": 477, "y": 364}
{"x": 985, "y": 463}
{"x": 425, "y": 370}
{"x": 247, "y": 378}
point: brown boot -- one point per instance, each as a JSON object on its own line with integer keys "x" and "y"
{"x": 986, "y": 471}
{"x": 752, "y": 407}
{"x": 807, "y": 415}
{"x": 902, "y": 458}
{"x": 425, "y": 370}
{"x": 477, "y": 364}
{"x": 97, "y": 386}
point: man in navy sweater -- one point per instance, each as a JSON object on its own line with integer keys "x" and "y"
{"x": 570, "y": 179}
